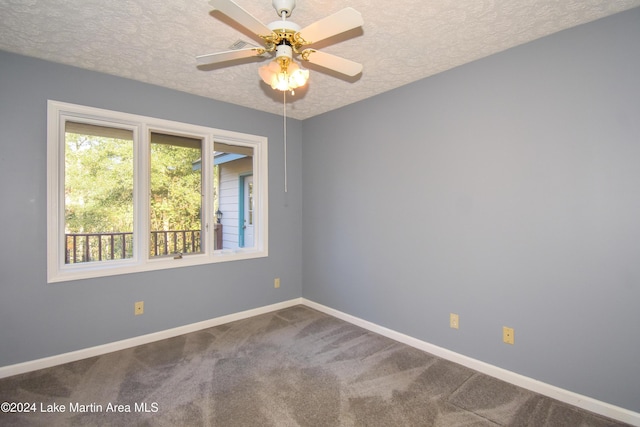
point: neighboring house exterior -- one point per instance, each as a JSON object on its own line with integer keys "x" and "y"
{"x": 235, "y": 195}
{"x": 236, "y": 199}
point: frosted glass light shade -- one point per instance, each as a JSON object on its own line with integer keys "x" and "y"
{"x": 283, "y": 78}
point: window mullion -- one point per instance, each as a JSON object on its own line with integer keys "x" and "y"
{"x": 209, "y": 195}
{"x": 141, "y": 194}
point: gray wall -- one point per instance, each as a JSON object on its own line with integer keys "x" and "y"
{"x": 39, "y": 319}
{"x": 507, "y": 191}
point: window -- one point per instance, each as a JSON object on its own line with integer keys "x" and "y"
{"x": 175, "y": 205}
{"x": 128, "y": 193}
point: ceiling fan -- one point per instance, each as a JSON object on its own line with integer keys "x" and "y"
{"x": 287, "y": 40}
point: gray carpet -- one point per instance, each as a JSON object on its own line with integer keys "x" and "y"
{"x": 293, "y": 367}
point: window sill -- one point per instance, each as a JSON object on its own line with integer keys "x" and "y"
{"x": 102, "y": 269}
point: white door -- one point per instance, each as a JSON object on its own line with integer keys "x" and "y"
{"x": 248, "y": 212}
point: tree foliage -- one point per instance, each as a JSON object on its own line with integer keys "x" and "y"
{"x": 99, "y": 186}
{"x": 175, "y": 188}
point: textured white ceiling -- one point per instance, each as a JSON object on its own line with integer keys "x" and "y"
{"x": 156, "y": 41}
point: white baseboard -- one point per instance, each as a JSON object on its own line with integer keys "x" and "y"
{"x": 47, "y": 362}
{"x": 575, "y": 399}
{"x": 566, "y": 396}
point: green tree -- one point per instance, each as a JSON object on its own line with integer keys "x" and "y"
{"x": 175, "y": 188}
{"x": 98, "y": 184}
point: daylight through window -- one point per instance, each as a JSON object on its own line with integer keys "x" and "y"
{"x": 129, "y": 193}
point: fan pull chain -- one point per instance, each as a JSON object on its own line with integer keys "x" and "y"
{"x": 284, "y": 115}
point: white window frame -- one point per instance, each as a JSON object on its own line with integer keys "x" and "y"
{"x": 142, "y": 126}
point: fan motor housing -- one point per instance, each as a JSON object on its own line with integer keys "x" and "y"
{"x": 284, "y": 27}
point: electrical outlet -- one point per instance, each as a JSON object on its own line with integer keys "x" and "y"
{"x": 507, "y": 335}
{"x": 276, "y": 282}
{"x": 138, "y": 308}
{"x": 454, "y": 321}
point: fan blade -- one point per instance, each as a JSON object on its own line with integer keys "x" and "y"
{"x": 332, "y": 25}
{"x": 332, "y": 62}
{"x": 241, "y": 16}
{"x": 229, "y": 55}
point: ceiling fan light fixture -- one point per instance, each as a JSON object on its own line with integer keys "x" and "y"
{"x": 284, "y": 78}
{"x": 283, "y": 73}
